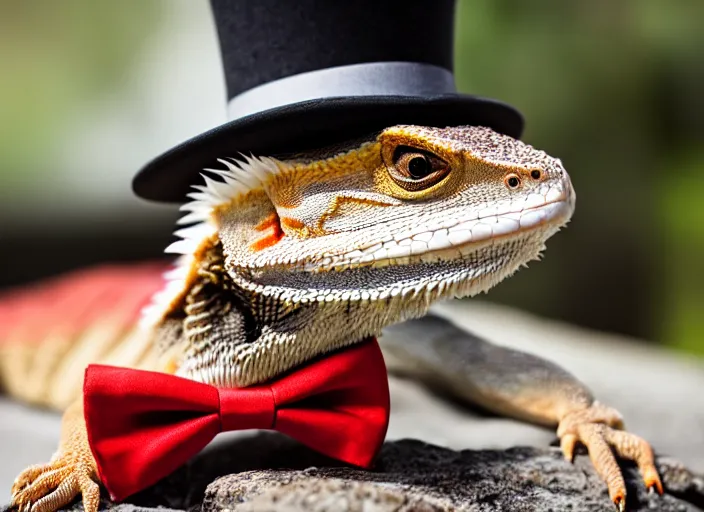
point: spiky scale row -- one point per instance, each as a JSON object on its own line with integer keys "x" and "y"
{"x": 238, "y": 178}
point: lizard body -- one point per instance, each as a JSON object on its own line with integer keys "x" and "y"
{"x": 290, "y": 258}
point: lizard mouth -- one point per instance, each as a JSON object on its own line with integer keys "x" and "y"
{"x": 463, "y": 265}
{"x": 460, "y": 239}
{"x": 467, "y": 237}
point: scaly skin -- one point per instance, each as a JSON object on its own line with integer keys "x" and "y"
{"x": 290, "y": 259}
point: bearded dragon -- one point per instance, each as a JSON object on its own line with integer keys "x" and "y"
{"x": 292, "y": 257}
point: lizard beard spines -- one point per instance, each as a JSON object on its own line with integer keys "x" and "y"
{"x": 211, "y": 298}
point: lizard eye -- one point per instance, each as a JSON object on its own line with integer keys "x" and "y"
{"x": 416, "y": 170}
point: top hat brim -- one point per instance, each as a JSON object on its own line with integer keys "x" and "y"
{"x": 310, "y": 125}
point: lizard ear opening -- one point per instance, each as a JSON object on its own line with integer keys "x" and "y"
{"x": 248, "y": 226}
{"x": 271, "y": 231}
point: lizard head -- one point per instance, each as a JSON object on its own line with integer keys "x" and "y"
{"x": 414, "y": 213}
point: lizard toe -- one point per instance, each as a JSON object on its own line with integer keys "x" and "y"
{"x": 48, "y": 487}
{"x": 45, "y": 482}
{"x": 599, "y": 429}
{"x": 592, "y": 436}
{"x": 568, "y": 442}
{"x": 89, "y": 489}
{"x": 632, "y": 447}
{"x": 64, "y": 493}
{"x": 28, "y": 476}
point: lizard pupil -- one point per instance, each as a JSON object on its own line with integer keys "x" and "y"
{"x": 513, "y": 182}
{"x": 418, "y": 167}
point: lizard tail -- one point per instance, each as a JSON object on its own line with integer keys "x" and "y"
{"x": 49, "y": 332}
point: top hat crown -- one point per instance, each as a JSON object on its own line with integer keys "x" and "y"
{"x": 313, "y": 73}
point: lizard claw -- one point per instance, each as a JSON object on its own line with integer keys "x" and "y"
{"x": 599, "y": 428}
{"x": 48, "y": 487}
{"x": 621, "y": 505}
{"x": 568, "y": 442}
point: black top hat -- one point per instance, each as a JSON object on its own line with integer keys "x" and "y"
{"x": 306, "y": 74}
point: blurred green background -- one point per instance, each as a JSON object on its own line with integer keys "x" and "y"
{"x": 92, "y": 89}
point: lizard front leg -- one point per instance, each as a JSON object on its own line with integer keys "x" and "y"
{"x": 522, "y": 386}
{"x": 72, "y": 470}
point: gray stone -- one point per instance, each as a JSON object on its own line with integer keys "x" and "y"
{"x": 411, "y": 475}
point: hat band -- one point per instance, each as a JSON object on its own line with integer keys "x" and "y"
{"x": 368, "y": 79}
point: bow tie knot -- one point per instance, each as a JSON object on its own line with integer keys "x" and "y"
{"x": 243, "y": 409}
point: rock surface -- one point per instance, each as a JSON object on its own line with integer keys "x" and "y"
{"x": 409, "y": 476}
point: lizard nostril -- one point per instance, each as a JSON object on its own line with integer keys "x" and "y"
{"x": 512, "y": 181}
{"x": 535, "y": 174}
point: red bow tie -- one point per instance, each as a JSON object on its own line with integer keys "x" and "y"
{"x": 144, "y": 425}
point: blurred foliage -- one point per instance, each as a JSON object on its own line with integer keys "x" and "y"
{"x": 681, "y": 209}
{"x": 611, "y": 87}
{"x": 614, "y": 89}
{"x": 56, "y": 55}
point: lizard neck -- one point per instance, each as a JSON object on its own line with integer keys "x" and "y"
{"x": 232, "y": 325}
{"x": 240, "y": 329}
